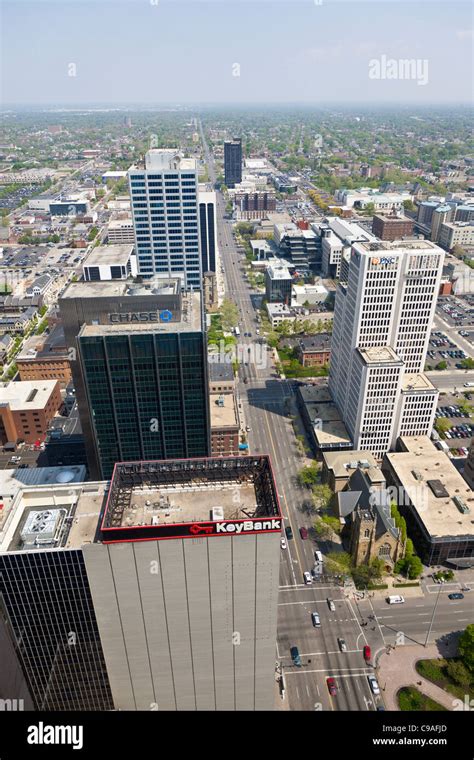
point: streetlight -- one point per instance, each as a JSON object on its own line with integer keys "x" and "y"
{"x": 432, "y": 616}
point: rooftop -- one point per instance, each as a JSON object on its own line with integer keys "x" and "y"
{"x": 223, "y": 411}
{"x": 342, "y": 463}
{"x": 166, "y": 159}
{"x": 190, "y": 321}
{"x": 379, "y": 355}
{"x": 111, "y": 255}
{"x": 189, "y": 498}
{"x": 417, "y": 382}
{"x": 110, "y": 288}
{"x": 46, "y": 346}
{"x": 221, "y": 371}
{"x": 424, "y": 472}
{"x": 26, "y": 394}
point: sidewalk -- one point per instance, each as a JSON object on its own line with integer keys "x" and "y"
{"x": 397, "y": 669}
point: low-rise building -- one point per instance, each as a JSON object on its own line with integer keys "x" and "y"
{"x": 221, "y": 377}
{"x": 46, "y": 357}
{"x": 314, "y": 350}
{"x": 120, "y": 231}
{"x": 434, "y": 499}
{"x": 26, "y": 408}
{"x": 110, "y": 262}
{"x": 278, "y": 313}
{"x": 225, "y": 427}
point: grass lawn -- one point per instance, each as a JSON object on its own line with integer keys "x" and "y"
{"x": 435, "y": 671}
{"x": 412, "y": 700}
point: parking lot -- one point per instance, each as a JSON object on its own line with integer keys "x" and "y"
{"x": 457, "y": 311}
{"x": 443, "y": 349}
{"x": 455, "y": 410}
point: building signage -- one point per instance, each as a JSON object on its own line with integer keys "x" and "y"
{"x": 141, "y": 316}
{"x": 190, "y": 530}
{"x": 383, "y": 260}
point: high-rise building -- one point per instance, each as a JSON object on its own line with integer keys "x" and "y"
{"x": 104, "y": 303}
{"x": 147, "y": 387}
{"x": 158, "y": 592}
{"x": 207, "y": 230}
{"x": 232, "y": 162}
{"x": 382, "y": 322}
{"x": 164, "y": 201}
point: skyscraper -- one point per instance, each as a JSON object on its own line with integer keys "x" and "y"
{"x": 233, "y": 162}
{"x": 158, "y": 592}
{"x": 146, "y": 386}
{"x": 207, "y": 230}
{"x": 105, "y": 303}
{"x": 165, "y": 217}
{"x": 382, "y": 321}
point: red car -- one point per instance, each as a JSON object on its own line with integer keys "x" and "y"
{"x": 367, "y": 653}
{"x": 332, "y": 688}
{"x": 303, "y": 533}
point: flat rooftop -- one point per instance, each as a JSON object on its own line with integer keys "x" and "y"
{"x": 423, "y": 471}
{"x": 396, "y": 246}
{"x": 333, "y": 433}
{"x": 107, "y": 288}
{"x": 46, "y": 346}
{"x": 342, "y": 463}
{"x": 379, "y": 355}
{"x": 315, "y": 394}
{"x": 417, "y": 382}
{"x": 26, "y": 394}
{"x": 110, "y": 255}
{"x": 190, "y": 321}
{"x": 190, "y": 498}
{"x": 225, "y": 415}
{"x": 168, "y": 159}
{"x": 221, "y": 371}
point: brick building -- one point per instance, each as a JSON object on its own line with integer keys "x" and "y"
{"x": 26, "y": 409}
{"x": 314, "y": 350}
{"x": 45, "y": 357}
{"x": 392, "y": 226}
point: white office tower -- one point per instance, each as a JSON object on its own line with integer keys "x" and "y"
{"x": 164, "y": 202}
{"x": 382, "y": 322}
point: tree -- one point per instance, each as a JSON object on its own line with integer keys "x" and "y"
{"x": 308, "y": 476}
{"x": 323, "y": 531}
{"x": 338, "y": 562}
{"x": 468, "y": 363}
{"x": 466, "y": 647}
{"x": 229, "y": 315}
{"x": 442, "y": 425}
{"x": 376, "y": 568}
{"x": 414, "y": 567}
{"x": 442, "y": 365}
{"x": 322, "y": 496}
{"x": 458, "y": 672}
{"x": 409, "y": 549}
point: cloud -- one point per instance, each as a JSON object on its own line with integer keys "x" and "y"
{"x": 465, "y": 34}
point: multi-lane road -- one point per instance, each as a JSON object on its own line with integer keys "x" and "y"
{"x": 267, "y": 403}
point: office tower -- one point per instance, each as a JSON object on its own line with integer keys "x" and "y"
{"x": 156, "y": 591}
{"x": 207, "y": 230}
{"x": 232, "y": 162}
{"x": 382, "y": 323}
{"x": 165, "y": 217}
{"x": 111, "y": 302}
{"x": 147, "y": 387}
{"x": 278, "y": 284}
{"x": 442, "y": 214}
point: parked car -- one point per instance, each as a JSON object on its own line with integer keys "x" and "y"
{"x": 283, "y": 543}
{"x": 289, "y": 532}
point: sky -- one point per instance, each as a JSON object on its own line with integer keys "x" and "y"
{"x": 236, "y": 51}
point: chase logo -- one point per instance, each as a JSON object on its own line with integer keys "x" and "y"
{"x": 166, "y": 315}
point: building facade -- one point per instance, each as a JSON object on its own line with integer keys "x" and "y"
{"x": 207, "y": 230}
{"x": 232, "y": 162}
{"x": 26, "y": 409}
{"x": 382, "y": 322}
{"x": 164, "y": 198}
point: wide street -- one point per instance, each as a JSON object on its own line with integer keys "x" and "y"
{"x": 268, "y": 403}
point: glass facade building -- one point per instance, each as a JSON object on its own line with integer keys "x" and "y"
{"x": 147, "y": 394}
{"x": 45, "y": 598}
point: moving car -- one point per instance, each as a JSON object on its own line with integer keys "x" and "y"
{"x": 283, "y": 543}
{"x": 315, "y": 619}
{"x": 395, "y": 599}
{"x": 289, "y": 532}
{"x": 303, "y": 533}
{"x": 342, "y": 645}
{"x": 331, "y": 605}
{"x": 374, "y": 687}
{"x": 367, "y": 653}
{"x": 331, "y": 684}
{"x": 456, "y": 596}
{"x": 307, "y": 577}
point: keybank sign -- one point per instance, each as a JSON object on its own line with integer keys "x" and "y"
{"x": 141, "y": 316}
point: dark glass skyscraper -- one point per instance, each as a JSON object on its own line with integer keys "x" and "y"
{"x": 147, "y": 388}
{"x": 233, "y": 162}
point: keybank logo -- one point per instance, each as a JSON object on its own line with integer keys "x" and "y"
{"x": 46, "y": 734}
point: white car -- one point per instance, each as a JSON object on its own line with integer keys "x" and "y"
{"x": 342, "y": 645}
{"x": 283, "y": 543}
{"x": 307, "y": 577}
{"x": 331, "y": 605}
{"x": 374, "y": 687}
